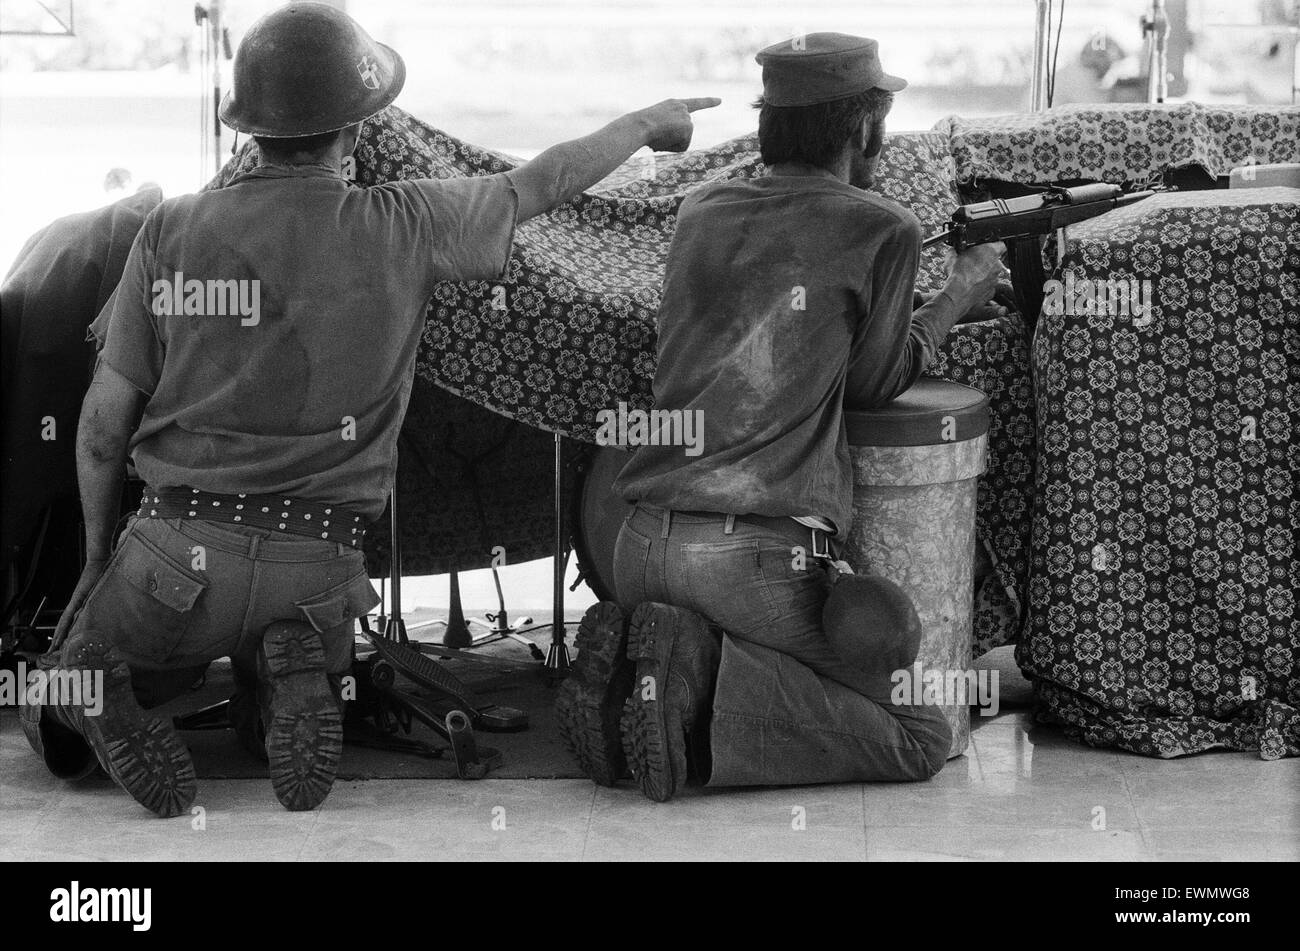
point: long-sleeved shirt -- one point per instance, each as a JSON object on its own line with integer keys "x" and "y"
{"x": 787, "y": 299}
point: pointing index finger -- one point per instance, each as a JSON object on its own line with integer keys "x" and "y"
{"x": 706, "y": 102}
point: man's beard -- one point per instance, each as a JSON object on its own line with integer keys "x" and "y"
{"x": 862, "y": 173}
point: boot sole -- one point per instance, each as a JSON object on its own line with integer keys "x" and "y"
{"x": 304, "y": 740}
{"x": 143, "y": 754}
{"x": 649, "y": 726}
{"x": 588, "y": 708}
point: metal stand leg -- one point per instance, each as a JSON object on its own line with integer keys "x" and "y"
{"x": 397, "y": 626}
{"x": 557, "y": 658}
{"x": 457, "y": 633}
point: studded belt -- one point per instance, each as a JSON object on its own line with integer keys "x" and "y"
{"x": 279, "y": 513}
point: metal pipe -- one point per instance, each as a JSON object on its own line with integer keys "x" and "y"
{"x": 214, "y": 31}
{"x": 395, "y": 568}
{"x": 557, "y": 657}
{"x": 1038, "y": 78}
{"x": 1156, "y": 27}
{"x": 557, "y": 604}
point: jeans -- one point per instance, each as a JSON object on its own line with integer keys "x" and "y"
{"x": 178, "y": 594}
{"x": 787, "y": 710}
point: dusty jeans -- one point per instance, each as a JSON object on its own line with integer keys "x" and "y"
{"x": 178, "y": 594}
{"x": 786, "y": 710}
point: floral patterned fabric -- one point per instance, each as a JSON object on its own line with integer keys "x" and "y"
{"x": 577, "y": 335}
{"x": 994, "y": 357}
{"x": 1120, "y": 142}
{"x": 1162, "y": 600}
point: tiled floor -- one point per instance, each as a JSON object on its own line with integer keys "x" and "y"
{"x": 1021, "y": 792}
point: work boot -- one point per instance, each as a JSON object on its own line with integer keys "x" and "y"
{"x": 245, "y": 714}
{"x": 143, "y": 753}
{"x": 589, "y": 706}
{"x": 64, "y": 751}
{"x": 302, "y": 715}
{"x": 245, "y": 710}
{"x": 677, "y": 656}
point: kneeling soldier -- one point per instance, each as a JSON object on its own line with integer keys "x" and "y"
{"x": 787, "y": 298}
{"x": 267, "y": 432}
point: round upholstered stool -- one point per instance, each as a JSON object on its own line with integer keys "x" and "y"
{"x": 915, "y": 465}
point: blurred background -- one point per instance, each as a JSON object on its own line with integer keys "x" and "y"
{"x": 98, "y": 97}
{"x": 108, "y": 97}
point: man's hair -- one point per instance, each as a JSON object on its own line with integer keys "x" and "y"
{"x": 317, "y": 145}
{"x": 817, "y": 134}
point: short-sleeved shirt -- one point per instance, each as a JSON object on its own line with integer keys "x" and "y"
{"x": 294, "y": 379}
{"x": 785, "y": 298}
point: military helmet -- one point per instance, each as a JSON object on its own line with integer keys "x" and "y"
{"x": 872, "y": 624}
{"x": 306, "y": 69}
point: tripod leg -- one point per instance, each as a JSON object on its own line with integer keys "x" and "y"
{"x": 457, "y": 633}
{"x": 557, "y": 658}
{"x": 397, "y": 625}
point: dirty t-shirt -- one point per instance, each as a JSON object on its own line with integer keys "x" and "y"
{"x": 785, "y": 298}
{"x": 295, "y": 378}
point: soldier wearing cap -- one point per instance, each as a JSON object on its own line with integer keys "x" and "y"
{"x": 787, "y": 298}
{"x": 266, "y": 426}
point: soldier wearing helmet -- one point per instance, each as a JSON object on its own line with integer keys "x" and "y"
{"x": 255, "y": 364}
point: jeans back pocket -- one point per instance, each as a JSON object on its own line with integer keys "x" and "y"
{"x": 726, "y": 583}
{"x": 148, "y": 601}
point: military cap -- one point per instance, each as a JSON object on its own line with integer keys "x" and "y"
{"x": 822, "y": 67}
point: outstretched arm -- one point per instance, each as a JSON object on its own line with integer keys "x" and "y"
{"x": 565, "y": 170}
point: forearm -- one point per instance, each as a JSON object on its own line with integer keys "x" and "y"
{"x": 101, "y": 465}
{"x": 564, "y": 171}
{"x": 109, "y": 415}
{"x": 932, "y": 321}
{"x": 871, "y": 384}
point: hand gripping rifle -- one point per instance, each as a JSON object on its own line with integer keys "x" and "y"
{"x": 1022, "y": 222}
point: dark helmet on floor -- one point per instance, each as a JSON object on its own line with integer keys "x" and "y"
{"x": 872, "y": 624}
{"x": 307, "y": 69}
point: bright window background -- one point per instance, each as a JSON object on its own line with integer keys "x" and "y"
{"x": 85, "y": 119}
{"x": 521, "y": 74}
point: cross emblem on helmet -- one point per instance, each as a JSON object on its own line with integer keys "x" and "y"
{"x": 369, "y": 71}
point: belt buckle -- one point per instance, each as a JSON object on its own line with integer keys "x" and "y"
{"x": 825, "y": 552}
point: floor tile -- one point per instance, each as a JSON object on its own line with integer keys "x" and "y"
{"x": 1003, "y": 843}
{"x": 1216, "y": 792}
{"x": 423, "y": 820}
{"x": 797, "y": 823}
{"x": 1222, "y": 845}
{"x": 1011, "y": 782}
{"x": 1022, "y": 791}
{"x": 104, "y": 824}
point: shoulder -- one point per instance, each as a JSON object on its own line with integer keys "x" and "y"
{"x": 881, "y": 216}
{"x": 177, "y": 210}
{"x": 716, "y": 194}
{"x": 460, "y": 195}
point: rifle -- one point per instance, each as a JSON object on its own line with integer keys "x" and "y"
{"x": 1022, "y": 222}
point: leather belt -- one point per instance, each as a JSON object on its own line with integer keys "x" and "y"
{"x": 823, "y": 546}
{"x": 278, "y": 513}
